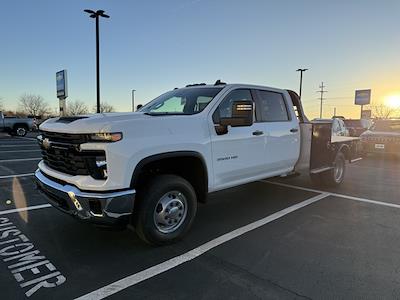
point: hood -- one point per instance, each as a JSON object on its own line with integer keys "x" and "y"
{"x": 90, "y": 123}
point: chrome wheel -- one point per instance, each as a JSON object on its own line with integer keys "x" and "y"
{"x": 170, "y": 212}
{"x": 21, "y": 131}
{"x": 339, "y": 170}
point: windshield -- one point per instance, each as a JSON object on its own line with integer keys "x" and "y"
{"x": 181, "y": 101}
{"x": 392, "y": 126}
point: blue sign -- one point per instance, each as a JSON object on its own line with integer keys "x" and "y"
{"x": 363, "y": 97}
{"x": 61, "y": 81}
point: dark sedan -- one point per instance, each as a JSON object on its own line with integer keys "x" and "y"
{"x": 382, "y": 137}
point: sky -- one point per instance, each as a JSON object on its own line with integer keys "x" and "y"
{"x": 155, "y": 46}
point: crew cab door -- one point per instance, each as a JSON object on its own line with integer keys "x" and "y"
{"x": 275, "y": 113}
{"x": 238, "y": 154}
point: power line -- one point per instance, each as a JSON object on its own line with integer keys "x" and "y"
{"x": 321, "y": 98}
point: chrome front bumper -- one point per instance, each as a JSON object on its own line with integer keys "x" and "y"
{"x": 106, "y": 208}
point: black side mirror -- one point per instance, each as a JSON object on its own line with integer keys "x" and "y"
{"x": 242, "y": 114}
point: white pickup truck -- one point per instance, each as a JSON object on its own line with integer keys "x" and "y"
{"x": 150, "y": 168}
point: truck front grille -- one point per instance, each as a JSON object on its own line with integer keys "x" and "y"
{"x": 61, "y": 152}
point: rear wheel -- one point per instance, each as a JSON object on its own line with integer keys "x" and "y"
{"x": 166, "y": 210}
{"x": 333, "y": 177}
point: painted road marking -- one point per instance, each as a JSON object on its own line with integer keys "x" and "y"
{"x": 131, "y": 280}
{"x": 16, "y": 210}
{"x": 18, "y": 145}
{"x": 334, "y": 194}
{"x": 16, "y": 175}
{"x": 15, "y": 151}
{"x": 19, "y": 159}
{"x": 24, "y": 261}
{"x": 26, "y": 138}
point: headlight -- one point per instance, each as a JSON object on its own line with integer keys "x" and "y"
{"x": 106, "y": 137}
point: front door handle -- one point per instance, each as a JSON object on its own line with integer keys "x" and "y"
{"x": 294, "y": 130}
{"x": 258, "y": 132}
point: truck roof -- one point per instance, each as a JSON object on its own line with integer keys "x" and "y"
{"x": 232, "y": 85}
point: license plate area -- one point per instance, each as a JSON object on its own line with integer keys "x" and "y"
{"x": 379, "y": 146}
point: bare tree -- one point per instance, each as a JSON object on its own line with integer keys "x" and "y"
{"x": 1, "y": 104}
{"x": 33, "y": 105}
{"x": 104, "y": 108}
{"x": 77, "y": 107}
{"x": 383, "y": 111}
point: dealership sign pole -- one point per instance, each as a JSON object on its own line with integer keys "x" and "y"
{"x": 362, "y": 97}
{"x": 62, "y": 90}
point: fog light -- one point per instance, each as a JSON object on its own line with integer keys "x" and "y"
{"x": 101, "y": 163}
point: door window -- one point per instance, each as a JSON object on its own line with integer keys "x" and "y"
{"x": 224, "y": 110}
{"x": 272, "y": 107}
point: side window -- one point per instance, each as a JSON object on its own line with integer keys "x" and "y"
{"x": 335, "y": 127}
{"x": 272, "y": 107}
{"x": 224, "y": 109}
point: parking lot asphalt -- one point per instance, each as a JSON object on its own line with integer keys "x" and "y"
{"x": 282, "y": 238}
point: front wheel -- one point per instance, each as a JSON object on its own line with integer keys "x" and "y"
{"x": 166, "y": 210}
{"x": 20, "y": 131}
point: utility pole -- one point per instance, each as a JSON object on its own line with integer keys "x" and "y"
{"x": 321, "y": 91}
{"x": 334, "y": 112}
{"x": 133, "y": 100}
{"x": 301, "y": 79}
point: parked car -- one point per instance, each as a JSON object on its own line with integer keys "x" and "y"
{"x": 15, "y": 126}
{"x": 338, "y": 126}
{"x": 382, "y": 137}
{"x": 150, "y": 168}
{"x": 357, "y": 126}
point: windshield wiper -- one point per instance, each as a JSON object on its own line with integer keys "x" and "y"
{"x": 166, "y": 114}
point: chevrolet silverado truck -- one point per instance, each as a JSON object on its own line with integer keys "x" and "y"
{"x": 383, "y": 137}
{"x": 15, "y": 126}
{"x": 150, "y": 168}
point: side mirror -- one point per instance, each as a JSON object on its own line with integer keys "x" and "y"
{"x": 242, "y": 114}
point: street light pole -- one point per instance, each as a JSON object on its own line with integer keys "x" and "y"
{"x": 133, "y": 100}
{"x": 96, "y": 15}
{"x": 301, "y": 79}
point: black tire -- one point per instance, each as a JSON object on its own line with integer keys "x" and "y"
{"x": 153, "y": 203}
{"x": 20, "y": 131}
{"x": 335, "y": 176}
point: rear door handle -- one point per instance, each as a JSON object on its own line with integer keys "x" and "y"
{"x": 294, "y": 130}
{"x": 258, "y": 132}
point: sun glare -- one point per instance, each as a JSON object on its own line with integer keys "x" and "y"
{"x": 393, "y": 101}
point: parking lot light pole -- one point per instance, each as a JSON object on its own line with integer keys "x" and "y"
{"x": 133, "y": 100}
{"x": 96, "y": 15}
{"x": 301, "y": 79}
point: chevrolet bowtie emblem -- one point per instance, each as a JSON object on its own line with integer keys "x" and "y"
{"x": 46, "y": 143}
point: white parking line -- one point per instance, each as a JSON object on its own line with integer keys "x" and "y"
{"x": 131, "y": 280}
{"x": 15, "y": 210}
{"x": 334, "y": 194}
{"x": 17, "y": 175}
{"x": 18, "y": 145}
{"x": 19, "y": 159}
{"x": 16, "y": 151}
{"x": 27, "y": 138}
